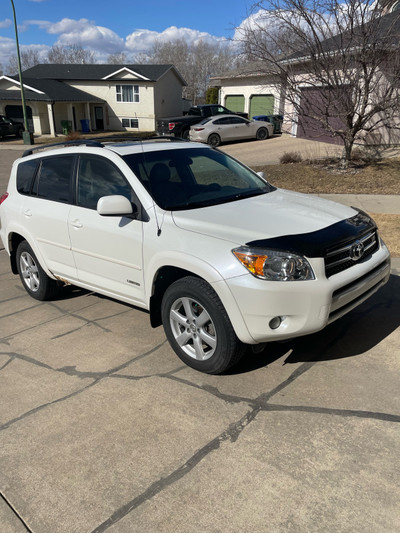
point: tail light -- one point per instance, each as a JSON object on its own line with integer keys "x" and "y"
{"x": 198, "y": 129}
{"x": 3, "y": 197}
{"x": 171, "y": 126}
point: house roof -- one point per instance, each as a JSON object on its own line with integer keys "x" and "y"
{"x": 99, "y": 72}
{"x": 47, "y": 90}
{"x": 386, "y": 29}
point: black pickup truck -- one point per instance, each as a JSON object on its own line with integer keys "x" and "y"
{"x": 180, "y": 126}
{"x": 9, "y": 127}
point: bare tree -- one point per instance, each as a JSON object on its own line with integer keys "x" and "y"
{"x": 74, "y": 54}
{"x": 29, "y": 58}
{"x": 117, "y": 59}
{"x": 195, "y": 62}
{"x": 338, "y": 61}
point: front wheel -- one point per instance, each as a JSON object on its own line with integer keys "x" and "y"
{"x": 198, "y": 327}
{"x": 262, "y": 134}
{"x": 34, "y": 279}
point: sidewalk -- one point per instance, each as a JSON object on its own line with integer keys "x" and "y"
{"x": 372, "y": 203}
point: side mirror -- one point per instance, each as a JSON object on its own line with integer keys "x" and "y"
{"x": 262, "y": 175}
{"x": 116, "y": 205}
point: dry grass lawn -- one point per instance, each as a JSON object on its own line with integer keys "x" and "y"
{"x": 377, "y": 178}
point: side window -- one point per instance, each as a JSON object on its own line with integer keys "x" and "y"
{"x": 54, "y": 181}
{"x": 99, "y": 177}
{"x": 225, "y": 120}
{"x": 25, "y": 174}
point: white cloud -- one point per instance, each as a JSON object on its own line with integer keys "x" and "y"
{"x": 6, "y": 23}
{"x": 84, "y": 33}
{"x": 142, "y": 40}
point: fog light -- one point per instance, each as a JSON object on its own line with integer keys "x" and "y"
{"x": 275, "y": 322}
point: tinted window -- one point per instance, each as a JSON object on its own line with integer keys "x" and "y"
{"x": 98, "y": 177}
{"x": 55, "y": 178}
{"x": 238, "y": 120}
{"x": 225, "y": 120}
{"x": 25, "y": 173}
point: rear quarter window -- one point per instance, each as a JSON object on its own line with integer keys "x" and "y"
{"x": 26, "y": 172}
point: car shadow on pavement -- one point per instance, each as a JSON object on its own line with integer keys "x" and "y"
{"x": 354, "y": 334}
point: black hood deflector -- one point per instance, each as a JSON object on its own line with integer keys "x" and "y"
{"x": 318, "y": 243}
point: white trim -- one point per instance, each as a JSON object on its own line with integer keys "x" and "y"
{"x": 18, "y": 83}
{"x": 126, "y": 70}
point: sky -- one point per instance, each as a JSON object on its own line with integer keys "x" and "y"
{"x": 129, "y": 26}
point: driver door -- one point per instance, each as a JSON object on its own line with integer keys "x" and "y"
{"x": 107, "y": 249}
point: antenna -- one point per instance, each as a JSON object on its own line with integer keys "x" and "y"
{"x": 154, "y": 204}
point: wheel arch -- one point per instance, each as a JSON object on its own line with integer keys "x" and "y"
{"x": 168, "y": 274}
{"x": 14, "y": 239}
{"x": 163, "y": 278}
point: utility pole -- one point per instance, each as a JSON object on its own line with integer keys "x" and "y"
{"x": 27, "y": 136}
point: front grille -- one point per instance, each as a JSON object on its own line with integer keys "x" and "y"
{"x": 347, "y": 255}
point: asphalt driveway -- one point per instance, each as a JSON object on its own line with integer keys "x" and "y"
{"x": 102, "y": 428}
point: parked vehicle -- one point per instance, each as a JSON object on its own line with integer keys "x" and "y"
{"x": 214, "y": 252}
{"x": 10, "y": 127}
{"x": 215, "y": 130}
{"x": 180, "y": 126}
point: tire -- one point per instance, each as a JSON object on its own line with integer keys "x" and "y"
{"x": 185, "y": 135}
{"x": 34, "y": 279}
{"x": 262, "y": 134}
{"x": 20, "y": 132}
{"x": 214, "y": 140}
{"x": 209, "y": 346}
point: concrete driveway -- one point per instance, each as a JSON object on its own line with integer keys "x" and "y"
{"x": 102, "y": 428}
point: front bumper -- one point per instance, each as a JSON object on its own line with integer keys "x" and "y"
{"x": 306, "y": 306}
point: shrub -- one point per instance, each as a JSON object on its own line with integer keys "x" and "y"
{"x": 73, "y": 136}
{"x": 290, "y": 157}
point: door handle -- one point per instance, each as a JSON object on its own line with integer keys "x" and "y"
{"x": 77, "y": 224}
{"x": 28, "y": 213}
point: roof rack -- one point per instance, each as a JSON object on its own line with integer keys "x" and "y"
{"x": 99, "y": 142}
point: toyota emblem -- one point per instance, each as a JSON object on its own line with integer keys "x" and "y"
{"x": 357, "y": 251}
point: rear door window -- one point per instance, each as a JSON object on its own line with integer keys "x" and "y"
{"x": 54, "y": 180}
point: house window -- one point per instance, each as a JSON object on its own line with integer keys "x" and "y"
{"x": 130, "y": 123}
{"x": 127, "y": 93}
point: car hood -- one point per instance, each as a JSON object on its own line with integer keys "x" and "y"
{"x": 274, "y": 214}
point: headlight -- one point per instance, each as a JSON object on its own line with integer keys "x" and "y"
{"x": 274, "y": 265}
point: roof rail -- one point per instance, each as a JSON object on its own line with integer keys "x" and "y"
{"x": 98, "y": 142}
{"x": 86, "y": 142}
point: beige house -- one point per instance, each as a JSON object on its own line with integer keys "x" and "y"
{"x": 93, "y": 97}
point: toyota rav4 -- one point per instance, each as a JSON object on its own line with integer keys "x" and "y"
{"x": 216, "y": 254}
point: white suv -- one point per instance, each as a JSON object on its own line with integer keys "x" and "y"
{"x": 216, "y": 254}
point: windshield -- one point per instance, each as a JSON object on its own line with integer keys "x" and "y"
{"x": 194, "y": 177}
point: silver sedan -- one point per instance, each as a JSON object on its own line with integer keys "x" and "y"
{"x": 214, "y": 130}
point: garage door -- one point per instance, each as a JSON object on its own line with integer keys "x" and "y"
{"x": 261, "y": 104}
{"x": 314, "y": 103}
{"x": 235, "y": 102}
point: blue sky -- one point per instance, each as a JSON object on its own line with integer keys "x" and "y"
{"x": 108, "y": 27}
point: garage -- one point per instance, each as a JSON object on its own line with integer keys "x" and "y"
{"x": 16, "y": 113}
{"x": 235, "y": 102}
{"x": 316, "y": 102}
{"x": 261, "y": 104}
